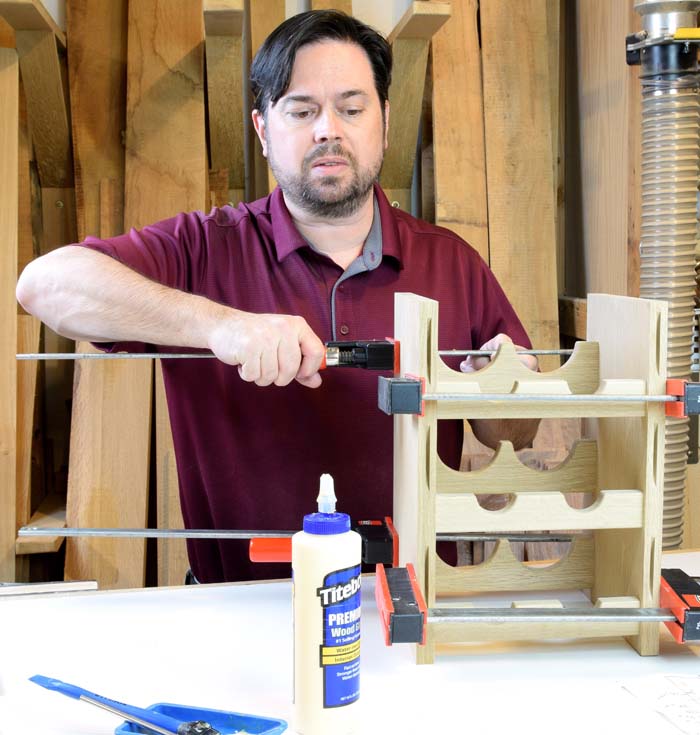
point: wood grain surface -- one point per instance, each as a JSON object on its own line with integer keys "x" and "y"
{"x": 519, "y": 163}
{"x": 9, "y": 122}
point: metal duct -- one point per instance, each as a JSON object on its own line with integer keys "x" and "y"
{"x": 670, "y": 164}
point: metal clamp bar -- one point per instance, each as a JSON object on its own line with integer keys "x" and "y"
{"x": 523, "y": 397}
{"x": 194, "y": 533}
{"x": 201, "y": 533}
{"x": 502, "y": 615}
{"x": 200, "y": 355}
{"x": 114, "y": 355}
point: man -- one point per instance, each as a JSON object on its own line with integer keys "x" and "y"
{"x": 265, "y": 285}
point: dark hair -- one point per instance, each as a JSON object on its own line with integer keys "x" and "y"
{"x": 271, "y": 69}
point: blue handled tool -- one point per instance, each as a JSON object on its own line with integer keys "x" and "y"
{"x": 155, "y": 721}
{"x": 170, "y": 719}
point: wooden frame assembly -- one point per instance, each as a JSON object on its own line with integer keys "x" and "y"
{"x": 621, "y": 469}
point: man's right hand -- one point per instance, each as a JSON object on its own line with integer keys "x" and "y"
{"x": 269, "y": 348}
{"x": 86, "y": 295}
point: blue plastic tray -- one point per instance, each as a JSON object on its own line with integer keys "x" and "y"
{"x": 226, "y": 723}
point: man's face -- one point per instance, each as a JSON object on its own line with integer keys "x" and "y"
{"x": 325, "y": 138}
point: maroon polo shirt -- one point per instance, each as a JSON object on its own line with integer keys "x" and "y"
{"x": 250, "y": 457}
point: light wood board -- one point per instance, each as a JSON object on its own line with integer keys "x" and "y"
{"x": 25, "y": 247}
{"x": 58, "y": 229}
{"x": 458, "y": 128}
{"x": 224, "y": 55}
{"x": 28, "y": 333}
{"x": 519, "y": 168}
{"x": 691, "y": 512}
{"x": 264, "y": 16}
{"x": 627, "y": 562}
{"x": 166, "y": 173}
{"x": 577, "y": 473}
{"x": 111, "y": 400}
{"x": 7, "y": 34}
{"x": 344, "y": 6}
{"x": 9, "y": 156}
{"x": 604, "y": 150}
{"x": 51, "y": 513}
{"x": 97, "y": 75}
{"x": 410, "y": 42}
{"x": 108, "y": 477}
{"x": 46, "y": 106}
{"x": 556, "y": 25}
{"x": 503, "y": 571}
{"x": 30, "y": 15}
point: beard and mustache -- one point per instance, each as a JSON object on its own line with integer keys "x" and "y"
{"x": 326, "y": 196}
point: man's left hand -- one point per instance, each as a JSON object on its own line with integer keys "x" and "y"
{"x": 473, "y": 363}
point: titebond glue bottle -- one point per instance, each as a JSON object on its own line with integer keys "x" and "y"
{"x": 326, "y": 558}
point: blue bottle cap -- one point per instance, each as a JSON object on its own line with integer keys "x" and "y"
{"x": 326, "y": 524}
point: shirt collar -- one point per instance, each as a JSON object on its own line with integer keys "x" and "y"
{"x": 391, "y": 245}
{"x": 287, "y": 238}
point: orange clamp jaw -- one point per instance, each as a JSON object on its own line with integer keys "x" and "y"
{"x": 680, "y": 593}
{"x": 271, "y": 549}
{"x": 402, "y": 609}
{"x": 676, "y": 387}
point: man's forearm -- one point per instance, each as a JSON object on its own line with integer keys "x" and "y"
{"x": 86, "y": 295}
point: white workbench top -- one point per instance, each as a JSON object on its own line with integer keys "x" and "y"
{"x": 230, "y": 647}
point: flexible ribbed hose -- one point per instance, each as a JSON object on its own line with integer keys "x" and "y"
{"x": 670, "y": 147}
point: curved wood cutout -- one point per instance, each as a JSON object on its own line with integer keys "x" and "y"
{"x": 506, "y": 474}
{"x": 501, "y": 375}
{"x": 611, "y": 509}
{"x": 502, "y": 571}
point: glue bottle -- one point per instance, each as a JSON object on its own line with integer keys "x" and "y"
{"x": 326, "y": 559}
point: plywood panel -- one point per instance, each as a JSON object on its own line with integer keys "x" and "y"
{"x": 458, "y": 128}
{"x": 519, "y": 163}
{"x": 9, "y": 121}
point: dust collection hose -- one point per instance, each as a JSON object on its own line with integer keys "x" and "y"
{"x": 670, "y": 152}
